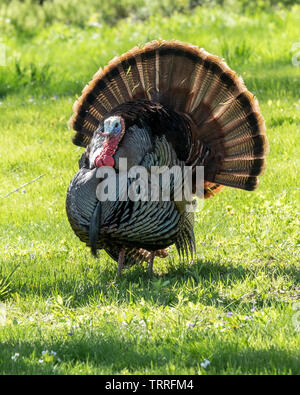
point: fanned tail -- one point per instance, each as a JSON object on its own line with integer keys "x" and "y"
{"x": 224, "y": 116}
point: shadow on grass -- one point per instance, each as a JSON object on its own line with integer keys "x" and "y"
{"x": 196, "y": 281}
{"x": 112, "y": 354}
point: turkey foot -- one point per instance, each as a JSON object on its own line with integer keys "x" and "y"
{"x": 121, "y": 260}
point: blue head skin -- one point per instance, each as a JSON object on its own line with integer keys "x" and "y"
{"x": 113, "y": 126}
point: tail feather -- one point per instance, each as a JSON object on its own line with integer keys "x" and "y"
{"x": 249, "y": 126}
{"x": 249, "y": 148}
{"x": 252, "y": 167}
{"x": 223, "y": 114}
{"x": 248, "y": 183}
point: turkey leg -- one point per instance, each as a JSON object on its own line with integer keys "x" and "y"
{"x": 150, "y": 263}
{"x": 121, "y": 260}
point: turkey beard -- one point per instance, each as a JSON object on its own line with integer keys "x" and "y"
{"x": 83, "y": 207}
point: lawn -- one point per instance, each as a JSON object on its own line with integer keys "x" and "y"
{"x": 235, "y": 304}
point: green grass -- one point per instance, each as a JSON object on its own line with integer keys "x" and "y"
{"x": 61, "y": 299}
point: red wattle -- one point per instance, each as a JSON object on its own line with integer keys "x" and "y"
{"x": 98, "y": 161}
{"x": 108, "y": 150}
{"x": 108, "y": 161}
{"x": 104, "y": 161}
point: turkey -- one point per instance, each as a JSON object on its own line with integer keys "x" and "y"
{"x": 166, "y": 104}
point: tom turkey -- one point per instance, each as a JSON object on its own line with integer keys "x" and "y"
{"x": 168, "y": 103}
